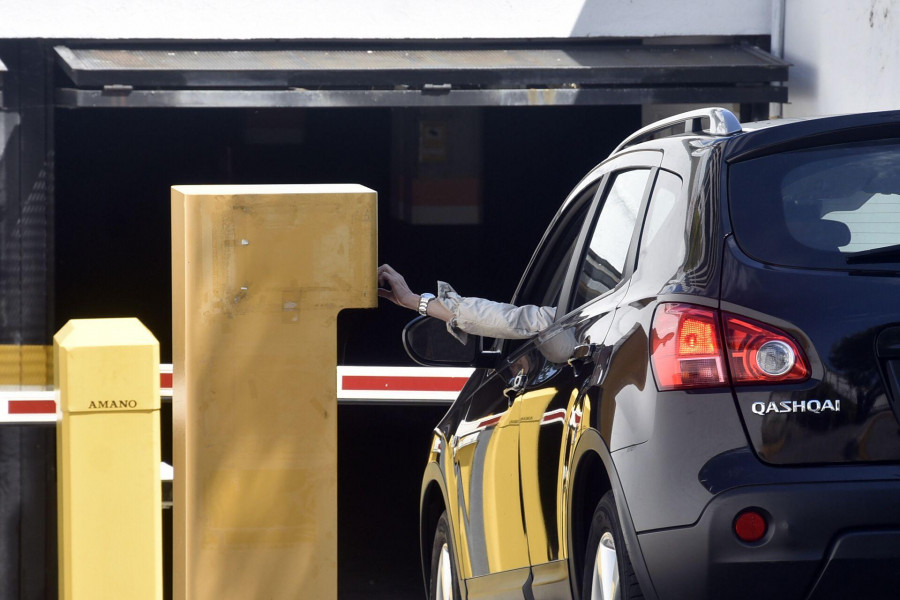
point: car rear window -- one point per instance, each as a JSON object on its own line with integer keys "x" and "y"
{"x": 827, "y": 207}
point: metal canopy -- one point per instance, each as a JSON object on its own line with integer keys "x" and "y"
{"x": 458, "y": 76}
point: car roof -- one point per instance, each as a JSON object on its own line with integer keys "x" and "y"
{"x": 745, "y": 140}
{"x": 718, "y": 124}
{"x": 788, "y": 134}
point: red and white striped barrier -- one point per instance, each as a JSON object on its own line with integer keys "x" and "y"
{"x": 355, "y": 385}
{"x": 395, "y": 384}
{"x": 165, "y": 381}
{"x": 28, "y": 406}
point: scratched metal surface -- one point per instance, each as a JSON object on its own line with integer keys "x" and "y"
{"x": 581, "y": 64}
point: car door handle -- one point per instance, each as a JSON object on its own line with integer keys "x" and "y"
{"x": 458, "y": 443}
{"x": 582, "y": 354}
{"x": 515, "y": 387}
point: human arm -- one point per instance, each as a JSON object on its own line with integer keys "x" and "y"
{"x": 487, "y": 318}
{"x": 468, "y": 314}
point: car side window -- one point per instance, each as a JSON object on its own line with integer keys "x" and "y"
{"x": 604, "y": 260}
{"x": 664, "y": 224}
{"x": 543, "y": 283}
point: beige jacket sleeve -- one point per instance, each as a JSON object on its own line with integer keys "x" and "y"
{"x": 492, "y": 319}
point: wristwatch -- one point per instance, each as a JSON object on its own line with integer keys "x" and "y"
{"x": 424, "y": 299}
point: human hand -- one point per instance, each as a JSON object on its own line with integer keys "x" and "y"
{"x": 392, "y": 285}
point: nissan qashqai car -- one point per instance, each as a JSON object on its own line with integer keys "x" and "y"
{"x": 715, "y": 412}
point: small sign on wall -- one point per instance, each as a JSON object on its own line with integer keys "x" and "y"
{"x": 437, "y": 164}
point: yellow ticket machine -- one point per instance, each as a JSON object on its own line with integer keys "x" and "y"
{"x": 259, "y": 276}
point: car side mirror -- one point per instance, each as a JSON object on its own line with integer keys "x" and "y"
{"x": 428, "y": 343}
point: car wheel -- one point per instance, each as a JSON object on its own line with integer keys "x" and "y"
{"x": 607, "y": 570}
{"x": 443, "y": 584}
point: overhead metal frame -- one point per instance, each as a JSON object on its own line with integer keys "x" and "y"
{"x": 568, "y": 74}
{"x": 412, "y": 98}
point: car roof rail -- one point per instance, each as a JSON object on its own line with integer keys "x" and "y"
{"x": 721, "y": 122}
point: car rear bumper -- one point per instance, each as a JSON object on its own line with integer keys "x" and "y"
{"x": 824, "y": 540}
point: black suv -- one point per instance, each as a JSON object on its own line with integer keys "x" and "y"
{"x": 714, "y": 413}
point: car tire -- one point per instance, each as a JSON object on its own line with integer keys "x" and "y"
{"x": 608, "y": 574}
{"x": 443, "y": 584}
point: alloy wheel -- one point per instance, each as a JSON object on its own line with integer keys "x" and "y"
{"x": 606, "y": 570}
{"x": 444, "y": 585}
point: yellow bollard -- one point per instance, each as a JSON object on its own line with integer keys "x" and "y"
{"x": 259, "y": 276}
{"x": 108, "y": 456}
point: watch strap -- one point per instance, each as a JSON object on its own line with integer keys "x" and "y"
{"x": 424, "y": 299}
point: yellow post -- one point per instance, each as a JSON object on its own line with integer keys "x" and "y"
{"x": 106, "y": 374}
{"x": 259, "y": 276}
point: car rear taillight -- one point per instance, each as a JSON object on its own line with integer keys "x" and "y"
{"x": 759, "y": 353}
{"x": 685, "y": 347}
{"x": 687, "y": 352}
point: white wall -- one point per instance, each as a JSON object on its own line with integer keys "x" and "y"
{"x": 379, "y": 19}
{"x": 846, "y": 56}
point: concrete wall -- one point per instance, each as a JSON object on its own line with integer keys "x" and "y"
{"x": 846, "y": 56}
{"x": 374, "y": 19}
